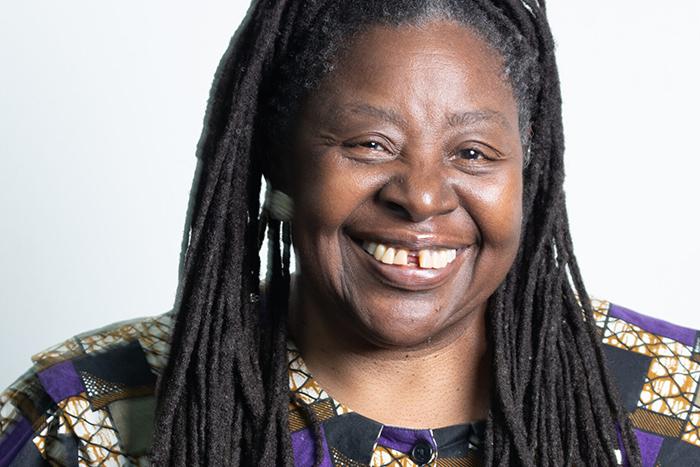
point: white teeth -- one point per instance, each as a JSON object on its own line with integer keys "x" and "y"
{"x": 438, "y": 260}
{"x": 401, "y": 258}
{"x": 388, "y": 257}
{"x": 427, "y": 259}
{"x": 379, "y": 252}
{"x": 451, "y": 255}
{"x": 445, "y": 257}
{"x": 370, "y": 247}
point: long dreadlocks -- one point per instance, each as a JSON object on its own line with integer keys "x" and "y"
{"x": 223, "y": 397}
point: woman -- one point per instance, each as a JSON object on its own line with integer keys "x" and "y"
{"x": 414, "y": 154}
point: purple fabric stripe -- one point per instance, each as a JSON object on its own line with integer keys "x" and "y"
{"x": 304, "y": 448}
{"x": 61, "y": 381}
{"x": 656, "y": 326}
{"x": 623, "y": 453}
{"x": 649, "y": 447}
{"x": 403, "y": 439}
{"x": 15, "y": 441}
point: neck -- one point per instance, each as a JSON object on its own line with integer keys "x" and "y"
{"x": 445, "y": 381}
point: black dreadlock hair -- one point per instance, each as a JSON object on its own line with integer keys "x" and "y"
{"x": 223, "y": 398}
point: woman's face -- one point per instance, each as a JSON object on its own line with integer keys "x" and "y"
{"x": 407, "y": 182}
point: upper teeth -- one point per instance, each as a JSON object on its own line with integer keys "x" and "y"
{"x": 427, "y": 259}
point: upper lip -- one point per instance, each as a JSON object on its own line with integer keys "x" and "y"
{"x": 414, "y": 241}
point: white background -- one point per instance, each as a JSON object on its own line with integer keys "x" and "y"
{"x": 101, "y": 106}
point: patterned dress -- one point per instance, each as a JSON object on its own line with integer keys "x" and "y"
{"x": 90, "y": 401}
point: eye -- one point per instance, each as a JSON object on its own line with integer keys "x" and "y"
{"x": 371, "y": 145}
{"x": 471, "y": 154}
{"x": 475, "y": 156}
{"x": 368, "y": 150}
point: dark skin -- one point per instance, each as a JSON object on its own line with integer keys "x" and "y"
{"x": 411, "y": 141}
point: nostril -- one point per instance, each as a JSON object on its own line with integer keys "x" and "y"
{"x": 397, "y": 209}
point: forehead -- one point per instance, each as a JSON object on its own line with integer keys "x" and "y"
{"x": 439, "y": 36}
{"x": 436, "y": 66}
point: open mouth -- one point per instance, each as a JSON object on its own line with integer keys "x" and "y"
{"x": 409, "y": 264}
{"x": 428, "y": 258}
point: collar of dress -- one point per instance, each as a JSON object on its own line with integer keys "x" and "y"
{"x": 352, "y": 439}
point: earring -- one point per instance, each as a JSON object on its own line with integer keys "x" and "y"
{"x": 528, "y": 155}
{"x": 279, "y": 204}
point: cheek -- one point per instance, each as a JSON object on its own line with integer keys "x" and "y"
{"x": 329, "y": 190}
{"x": 497, "y": 209}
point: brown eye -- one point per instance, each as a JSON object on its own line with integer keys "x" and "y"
{"x": 471, "y": 154}
{"x": 372, "y": 145}
{"x": 368, "y": 150}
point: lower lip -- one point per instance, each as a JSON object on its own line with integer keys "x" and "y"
{"x": 409, "y": 278}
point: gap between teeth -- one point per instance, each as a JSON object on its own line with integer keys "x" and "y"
{"x": 427, "y": 259}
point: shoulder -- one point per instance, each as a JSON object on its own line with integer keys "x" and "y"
{"x": 656, "y": 365}
{"x": 91, "y": 398}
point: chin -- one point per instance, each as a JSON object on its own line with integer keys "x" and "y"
{"x": 404, "y": 324}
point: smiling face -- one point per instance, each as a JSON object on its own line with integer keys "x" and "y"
{"x": 408, "y": 153}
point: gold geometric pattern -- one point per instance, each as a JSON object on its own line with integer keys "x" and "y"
{"x": 155, "y": 337}
{"x": 691, "y": 432}
{"x": 152, "y": 333}
{"x": 90, "y": 425}
{"x": 470, "y": 461}
{"x": 98, "y": 387}
{"x": 600, "y": 311}
{"x": 669, "y": 403}
{"x": 304, "y": 385}
{"x": 656, "y": 423}
{"x": 57, "y": 354}
{"x": 671, "y": 387}
{"x": 98, "y": 441}
{"x": 341, "y": 459}
{"x": 623, "y": 335}
{"x": 323, "y": 411}
{"x": 104, "y": 392}
{"x": 296, "y": 420}
{"x": 300, "y": 381}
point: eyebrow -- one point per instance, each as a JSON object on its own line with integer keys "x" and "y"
{"x": 386, "y": 115}
{"x": 476, "y": 116}
{"x": 455, "y": 119}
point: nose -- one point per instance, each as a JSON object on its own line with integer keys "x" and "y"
{"x": 419, "y": 192}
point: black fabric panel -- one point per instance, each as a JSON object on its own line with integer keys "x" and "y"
{"x": 629, "y": 369}
{"x": 453, "y": 441}
{"x": 353, "y": 435}
{"x": 125, "y": 364}
{"x": 65, "y": 448}
{"x": 677, "y": 453}
{"x": 28, "y": 456}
